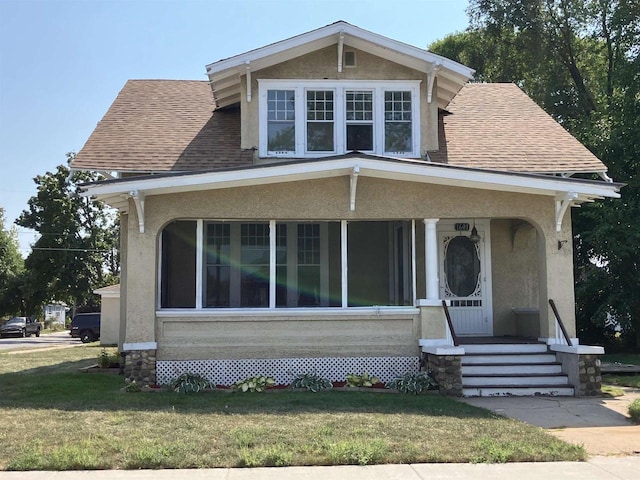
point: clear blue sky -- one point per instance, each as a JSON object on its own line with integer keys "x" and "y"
{"x": 62, "y": 62}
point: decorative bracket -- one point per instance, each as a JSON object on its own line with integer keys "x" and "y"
{"x": 248, "y": 67}
{"x": 138, "y": 200}
{"x": 431, "y": 77}
{"x": 353, "y": 184}
{"x": 340, "y": 47}
{"x": 563, "y": 202}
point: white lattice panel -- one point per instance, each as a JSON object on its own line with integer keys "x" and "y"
{"x": 227, "y": 372}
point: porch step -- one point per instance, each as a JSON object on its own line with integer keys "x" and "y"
{"x": 519, "y": 348}
{"x": 503, "y": 391}
{"x": 515, "y": 380}
{"x": 512, "y": 370}
{"x": 507, "y": 358}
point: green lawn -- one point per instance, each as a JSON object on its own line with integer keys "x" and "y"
{"x": 54, "y": 418}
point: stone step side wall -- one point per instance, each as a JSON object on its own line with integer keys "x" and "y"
{"x": 140, "y": 366}
{"x": 446, "y": 370}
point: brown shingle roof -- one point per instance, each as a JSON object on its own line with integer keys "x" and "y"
{"x": 170, "y": 125}
{"x": 497, "y": 126}
{"x": 164, "y": 125}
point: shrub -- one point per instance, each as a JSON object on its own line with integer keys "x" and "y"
{"x": 189, "y": 383}
{"x": 132, "y": 387}
{"x": 254, "y": 384}
{"x": 364, "y": 380}
{"x": 412, "y": 382}
{"x": 106, "y": 359}
{"x": 634, "y": 410}
{"x": 311, "y": 381}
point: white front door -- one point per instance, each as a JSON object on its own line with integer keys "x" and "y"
{"x": 465, "y": 277}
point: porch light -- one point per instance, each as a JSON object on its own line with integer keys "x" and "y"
{"x": 474, "y": 237}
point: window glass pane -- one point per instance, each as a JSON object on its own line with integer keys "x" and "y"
{"x": 359, "y": 106}
{"x": 320, "y": 121}
{"x": 462, "y": 267}
{"x": 281, "y": 120}
{"x": 359, "y": 137}
{"x": 217, "y": 258}
{"x": 254, "y": 286}
{"x": 178, "y": 273}
{"x": 397, "y": 116}
{"x": 320, "y": 137}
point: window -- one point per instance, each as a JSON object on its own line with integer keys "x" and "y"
{"x": 320, "y": 132}
{"x": 359, "y": 108}
{"x": 281, "y": 120}
{"x": 214, "y": 264}
{"x": 379, "y": 117}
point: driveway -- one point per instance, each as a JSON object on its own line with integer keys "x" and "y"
{"x": 58, "y": 339}
{"x": 601, "y": 424}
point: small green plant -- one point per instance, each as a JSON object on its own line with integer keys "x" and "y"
{"x": 189, "y": 383}
{"x": 254, "y": 384}
{"x": 364, "y": 380}
{"x": 634, "y": 410}
{"x": 132, "y": 387}
{"x": 106, "y": 359}
{"x": 412, "y": 382}
{"x": 311, "y": 381}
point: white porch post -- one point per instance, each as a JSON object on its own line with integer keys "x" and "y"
{"x": 343, "y": 254}
{"x": 414, "y": 274}
{"x": 431, "y": 258}
{"x": 272, "y": 264}
{"x": 199, "y": 260}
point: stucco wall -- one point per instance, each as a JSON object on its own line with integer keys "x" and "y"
{"x": 322, "y": 64}
{"x": 328, "y": 199}
{"x": 110, "y": 321}
{"x": 514, "y": 262}
{"x": 285, "y": 337}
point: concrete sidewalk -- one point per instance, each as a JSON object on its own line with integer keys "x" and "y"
{"x": 597, "y": 468}
{"x": 600, "y": 424}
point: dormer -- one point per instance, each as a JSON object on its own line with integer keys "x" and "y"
{"x": 335, "y": 90}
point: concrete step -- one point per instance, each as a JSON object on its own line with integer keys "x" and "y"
{"x": 510, "y": 391}
{"x": 510, "y": 369}
{"x": 503, "y": 358}
{"x": 504, "y": 348}
{"x": 514, "y": 380}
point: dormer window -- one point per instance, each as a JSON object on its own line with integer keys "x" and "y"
{"x": 317, "y": 118}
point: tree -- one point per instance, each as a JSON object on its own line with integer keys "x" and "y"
{"x": 11, "y": 270}
{"x": 580, "y": 62}
{"x": 77, "y": 248}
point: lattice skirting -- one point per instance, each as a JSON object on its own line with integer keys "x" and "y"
{"x": 227, "y": 372}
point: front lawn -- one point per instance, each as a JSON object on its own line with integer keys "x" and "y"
{"x": 54, "y": 418}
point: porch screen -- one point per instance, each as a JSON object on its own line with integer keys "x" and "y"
{"x": 178, "y": 271}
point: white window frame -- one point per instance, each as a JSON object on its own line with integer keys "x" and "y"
{"x": 378, "y": 87}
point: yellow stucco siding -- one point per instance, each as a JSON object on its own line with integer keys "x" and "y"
{"x": 322, "y": 64}
{"x": 377, "y": 199}
{"x": 285, "y": 337}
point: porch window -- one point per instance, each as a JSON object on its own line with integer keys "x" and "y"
{"x": 234, "y": 259}
{"x": 378, "y": 117}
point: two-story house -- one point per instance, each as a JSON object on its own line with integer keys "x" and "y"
{"x": 311, "y": 205}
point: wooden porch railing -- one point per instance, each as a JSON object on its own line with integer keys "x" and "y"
{"x": 559, "y": 322}
{"x": 450, "y": 323}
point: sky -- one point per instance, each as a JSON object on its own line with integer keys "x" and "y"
{"x": 63, "y": 62}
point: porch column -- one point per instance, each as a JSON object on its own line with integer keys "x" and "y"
{"x": 431, "y": 258}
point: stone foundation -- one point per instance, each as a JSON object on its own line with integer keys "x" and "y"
{"x": 446, "y": 370}
{"x": 140, "y": 366}
{"x": 590, "y": 376}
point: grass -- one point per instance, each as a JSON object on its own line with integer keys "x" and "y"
{"x": 622, "y": 380}
{"x": 634, "y": 410}
{"x": 624, "y": 358}
{"x": 54, "y": 418}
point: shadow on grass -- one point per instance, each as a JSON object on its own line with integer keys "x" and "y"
{"x": 63, "y": 387}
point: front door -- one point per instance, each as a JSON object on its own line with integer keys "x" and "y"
{"x": 465, "y": 279}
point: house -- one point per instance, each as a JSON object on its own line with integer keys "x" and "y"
{"x": 311, "y": 205}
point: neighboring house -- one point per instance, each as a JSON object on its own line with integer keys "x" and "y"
{"x": 308, "y": 208}
{"x": 55, "y": 313}
{"x": 110, "y": 325}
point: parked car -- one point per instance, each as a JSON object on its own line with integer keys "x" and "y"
{"x": 86, "y": 327}
{"x": 20, "y": 327}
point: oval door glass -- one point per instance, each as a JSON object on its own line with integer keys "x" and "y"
{"x": 462, "y": 267}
